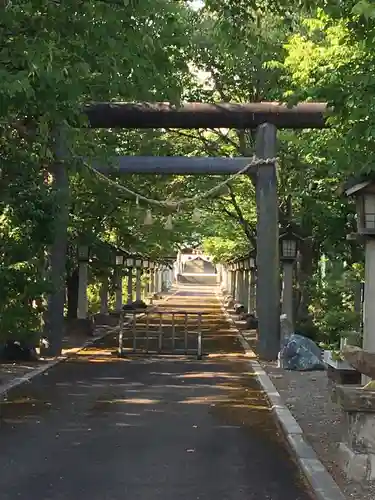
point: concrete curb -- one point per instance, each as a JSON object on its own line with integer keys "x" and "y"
{"x": 320, "y": 480}
{"x": 17, "y": 381}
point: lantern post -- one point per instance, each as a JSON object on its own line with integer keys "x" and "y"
{"x": 363, "y": 190}
{"x": 288, "y": 255}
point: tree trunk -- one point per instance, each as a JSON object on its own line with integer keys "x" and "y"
{"x": 307, "y": 267}
{"x": 54, "y": 326}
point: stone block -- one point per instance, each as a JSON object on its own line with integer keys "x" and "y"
{"x": 105, "y": 320}
{"x": 360, "y": 431}
{"x": 353, "y": 464}
{"x": 357, "y": 451}
{"x": 343, "y": 376}
{"x": 354, "y": 398}
{"x": 239, "y": 308}
{"x": 371, "y": 468}
{"x": 230, "y": 304}
{"x": 361, "y": 360}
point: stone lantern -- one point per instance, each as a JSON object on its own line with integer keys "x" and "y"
{"x": 363, "y": 190}
{"x": 288, "y": 254}
{"x": 119, "y": 260}
{"x": 288, "y": 246}
{"x": 356, "y": 452}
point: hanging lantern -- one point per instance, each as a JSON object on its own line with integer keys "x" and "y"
{"x": 169, "y": 223}
{"x": 196, "y": 217}
{"x": 119, "y": 260}
{"x": 148, "y": 219}
{"x": 288, "y": 245}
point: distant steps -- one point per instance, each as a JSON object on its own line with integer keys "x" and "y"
{"x": 197, "y": 278}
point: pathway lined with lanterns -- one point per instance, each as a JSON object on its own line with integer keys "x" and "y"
{"x": 134, "y": 269}
{"x": 99, "y": 426}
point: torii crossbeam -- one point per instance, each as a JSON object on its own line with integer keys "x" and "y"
{"x": 201, "y": 115}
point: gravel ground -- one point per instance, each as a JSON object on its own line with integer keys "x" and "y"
{"x": 308, "y": 397}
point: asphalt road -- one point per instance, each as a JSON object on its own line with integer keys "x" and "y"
{"x": 102, "y": 428}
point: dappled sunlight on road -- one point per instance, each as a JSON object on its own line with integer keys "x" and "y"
{"x": 146, "y": 426}
{"x": 134, "y": 401}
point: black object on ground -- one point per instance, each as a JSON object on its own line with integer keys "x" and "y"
{"x": 17, "y": 350}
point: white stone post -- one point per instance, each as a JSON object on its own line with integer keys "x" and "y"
{"x": 287, "y": 292}
{"x": 168, "y": 273}
{"x": 104, "y": 296}
{"x": 237, "y": 285}
{"x": 369, "y": 300}
{"x": 147, "y": 284}
{"x": 82, "y": 309}
{"x": 163, "y": 285}
{"x": 233, "y": 283}
{"x": 219, "y": 274}
{"x": 179, "y": 263}
{"x": 228, "y": 283}
{"x": 138, "y": 284}
{"x": 170, "y": 277}
{"x": 129, "y": 298}
{"x": 246, "y": 289}
{"x": 240, "y": 286}
{"x": 157, "y": 280}
{"x": 252, "y": 292}
{"x": 118, "y": 285}
{"x": 152, "y": 281}
{"x": 223, "y": 277}
{"x": 161, "y": 280}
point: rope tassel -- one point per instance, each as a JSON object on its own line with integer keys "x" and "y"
{"x": 148, "y": 219}
{"x": 169, "y": 223}
{"x": 196, "y": 217}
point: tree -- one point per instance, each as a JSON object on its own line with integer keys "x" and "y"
{"x": 54, "y": 59}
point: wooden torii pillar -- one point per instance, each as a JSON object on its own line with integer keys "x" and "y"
{"x": 266, "y": 117}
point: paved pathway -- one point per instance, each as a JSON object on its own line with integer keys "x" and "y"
{"x": 102, "y": 428}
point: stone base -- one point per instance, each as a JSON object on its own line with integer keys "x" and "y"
{"x": 230, "y": 303}
{"x": 101, "y": 319}
{"x": 357, "y": 451}
{"x": 359, "y": 467}
{"x": 78, "y": 326}
{"x": 343, "y": 376}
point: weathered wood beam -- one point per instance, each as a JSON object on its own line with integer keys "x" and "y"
{"x": 172, "y": 165}
{"x": 268, "y": 262}
{"x": 201, "y": 115}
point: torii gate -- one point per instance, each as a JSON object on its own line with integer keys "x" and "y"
{"x": 266, "y": 117}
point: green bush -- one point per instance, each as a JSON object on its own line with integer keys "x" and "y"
{"x": 333, "y": 303}
{"x": 20, "y": 315}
